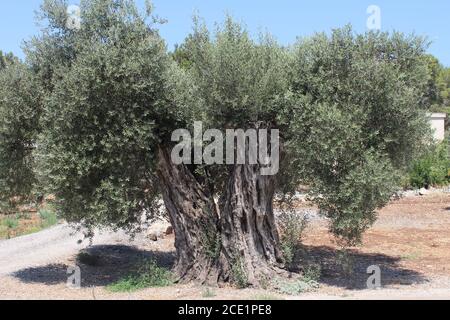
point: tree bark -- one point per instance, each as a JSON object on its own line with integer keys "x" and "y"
{"x": 250, "y": 238}
{"x": 238, "y": 244}
{"x": 194, "y": 217}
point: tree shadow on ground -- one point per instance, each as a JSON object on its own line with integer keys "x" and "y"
{"x": 109, "y": 264}
{"x": 113, "y": 262}
{"x": 351, "y": 272}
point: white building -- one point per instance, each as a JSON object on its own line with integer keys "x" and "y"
{"x": 437, "y": 121}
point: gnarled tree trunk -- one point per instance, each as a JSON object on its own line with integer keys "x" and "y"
{"x": 193, "y": 215}
{"x": 240, "y": 243}
{"x": 250, "y": 238}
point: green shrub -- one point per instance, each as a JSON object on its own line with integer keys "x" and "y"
{"x": 312, "y": 273}
{"x": 432, "y": 169}
{"x": 48, "y": 217}
{"x": 295, "y": 287}
{"x": 148, "y": 275}
{"x": 292, "y": 224}
{"x": 238, "y": 274}
{"x": 11, "y": 223}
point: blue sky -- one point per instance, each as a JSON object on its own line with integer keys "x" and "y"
{"x": 286, "y": 19}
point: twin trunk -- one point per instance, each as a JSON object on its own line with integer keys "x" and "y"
{"x": 238, "y": 242}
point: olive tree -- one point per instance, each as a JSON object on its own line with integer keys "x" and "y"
{"x": 349, "y": 110}
{"x": 351, "y": 114}
{"x": 19, "y": 115}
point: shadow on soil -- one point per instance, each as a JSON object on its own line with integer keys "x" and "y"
{"x": 100, "y": 266}
{"x": 352, "y": 274}
{"x": 112, "y": 263}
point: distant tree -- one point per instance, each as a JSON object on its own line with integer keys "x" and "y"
{"x": 19, "y": 116}
{"x": 433, "y": 97}
{"x": 443, "y": 84}
{"x": 438, "y": 92}
{"x": 7, "y": 59}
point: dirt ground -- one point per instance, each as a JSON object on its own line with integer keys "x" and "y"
{"x": 410, "y": 243}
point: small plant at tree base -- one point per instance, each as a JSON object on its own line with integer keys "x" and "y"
{"x": 148, "y": 275}
{"x": 238, "y": 274}
{"x": 309, "y": 281}
{"x": 312, "y": 273}
{"x": 264, "y": 282}
{"x": 212, "y": 242}
{"x": 292, "y": 224}
{"x": 295, "y": 287}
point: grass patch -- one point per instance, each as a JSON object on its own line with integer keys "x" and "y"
{"x": 48, "y": 217}
{"x": 3, "y": 232}
{"x": 296, "y": 287}
{"x": 8, "y": 226}
{"x": 24, "y": 223}
{"x": 11, "y": 223}
{"x": 307, "y": 283}
{"x": 148, "y": 275}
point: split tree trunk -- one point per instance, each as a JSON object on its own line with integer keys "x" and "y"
{"x": 241, "y": 241}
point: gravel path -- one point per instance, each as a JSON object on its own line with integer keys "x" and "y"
{"x": 47, "y": 246}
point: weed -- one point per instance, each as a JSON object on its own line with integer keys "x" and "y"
{"x": 48, "y": 218}
{"x": 11, "y": 223}
{"x": 292, "y": 225}
{"x": 312, "y": 273}
{"x": 238, "y": 274}
{"x": 295, "y": 287}
{"x": 212, "y": 243}
{"x": 148, "y": 275}
{"x": 23, "y": 216}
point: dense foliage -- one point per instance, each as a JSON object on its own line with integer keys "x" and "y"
{"x": 433, "y": 168}
{"x": 110, "y": 99}
{"x": 357, "y": 120}
{"x": 19, "y": 115}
